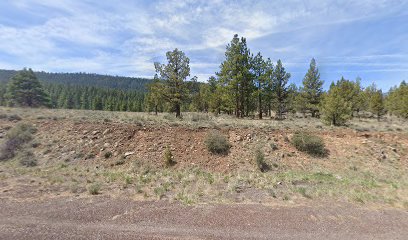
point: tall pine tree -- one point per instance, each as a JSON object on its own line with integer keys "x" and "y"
{"x": 312, "y": 89}
{"x": 280, "y": 88}
{"x": 173, "y": 76}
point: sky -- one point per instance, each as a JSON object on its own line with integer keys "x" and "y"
{"x": 364, "y": 38}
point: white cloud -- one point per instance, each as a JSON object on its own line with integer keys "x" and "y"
{"x": 126, "y": 37}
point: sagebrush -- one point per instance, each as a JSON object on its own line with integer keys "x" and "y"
{"x": 311, "y": 144}
{"x": 16, "y": 137}
{"x": 217, "y": 143}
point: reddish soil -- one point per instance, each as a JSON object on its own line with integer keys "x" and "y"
{"x": 69, "y": 140}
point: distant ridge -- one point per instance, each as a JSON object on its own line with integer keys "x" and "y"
{"x": 85, "y": 79}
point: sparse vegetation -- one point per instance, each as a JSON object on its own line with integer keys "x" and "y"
{"x": 94, "y": 188}
{"x": 308, "y": 143}
{"x": 260, "y": 161}
{"x": 15, "y": 139}
{"x": 26, "y": 158}
{"x": 217, "y": 143}
{"x": 168, "y": 157}
{"x": 199, "y": 179}
{"x": 108, "y": 154}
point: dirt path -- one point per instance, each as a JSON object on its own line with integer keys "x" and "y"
{"x": 107, "y": 218}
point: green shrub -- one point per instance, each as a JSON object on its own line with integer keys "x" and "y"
{"x": 94, "y": 188}
{"x": 108, "y": 154}
{"x": 274, "y": 146}
{"x": 217, "y": 143}
{"x": 27, "y": 159}
{"x": 15, "y": 138}
{"x": 168, "y": 157}
{"x": 197, "y": 117}
{"x": 310, "y": 144}
{"x": 22, "y": 131}
{"x": 260, "y": 161}
{"x": 90, "y": 156}
{"x": 14, "y": 117}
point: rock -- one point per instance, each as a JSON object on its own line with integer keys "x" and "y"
{"x": 95, "y": 132}
{"x": 238, "y": 138}
{"x": 382, "y": 157}
{"x": 106, "y": 145}
{"x": 129, "y": 154}
{"x": 85, "y": 132}
{"x": 106, "y": 131}
{"x": 393, "y": 149}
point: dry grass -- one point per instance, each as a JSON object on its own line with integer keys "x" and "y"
{"x": 192, "y": 119}
{"x": 356, "y": 179}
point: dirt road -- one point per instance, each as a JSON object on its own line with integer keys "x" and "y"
{"x": 107, "y": 218}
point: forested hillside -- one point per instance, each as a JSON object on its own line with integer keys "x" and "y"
{"x": 86, "y": 91}
{"x": 85, "y": 79}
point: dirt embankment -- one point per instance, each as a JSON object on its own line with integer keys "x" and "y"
{"x": 88, "y": 142}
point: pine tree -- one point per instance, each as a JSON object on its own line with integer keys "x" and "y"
{"x": 173, "y": 77}
{"x": 352, "y": 93}
{"x": 25, "y": 90}
{"x": 262, "y": 71}
{"x": 397, "y": 100}
{"x": 280, "y": 88}
{"x": 235, "y": 75}
{"x": 216, "y": 95}
{"x": 336, "y": 108}
{"x": 293, "y": 96}
{"x": 154, "y": 99}
{"x": 375, "y": 100}
{"x": 312, "y": 89}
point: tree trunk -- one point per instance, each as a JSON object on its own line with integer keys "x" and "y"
{"x": 260, "y": 106}
{"x": 178, "y": 112}
{"x": 237, "y": 107}
{"x": 155, "y": 109}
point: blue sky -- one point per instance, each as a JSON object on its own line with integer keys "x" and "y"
{"x": 361, "y": 38}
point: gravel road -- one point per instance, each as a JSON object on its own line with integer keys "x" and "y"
{"x": 109, "y": 218}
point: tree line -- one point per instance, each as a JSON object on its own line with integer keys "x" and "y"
{"x": 248, "y": 84}
{"x": 84, "y": 79}
{"x": 24, "y": 89}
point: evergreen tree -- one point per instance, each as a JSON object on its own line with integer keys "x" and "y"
{"x": 216, "y": 95}
{"x": 154, "y": 99}
{"x": 397, "y": 100}
{"x": 375, "y": 100}
{"x": 336, "y": 108}
{"x": 312, "y": 89}
{"x": 262, "y": 71}
{"x": 173, "y": 77}
{"x": 25, "y": 90}
{"x": 293, "y": 97}
{"x": 352, "y": 93}
{"x": 280, "y": 88}
{"x": 235, "y": 75}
